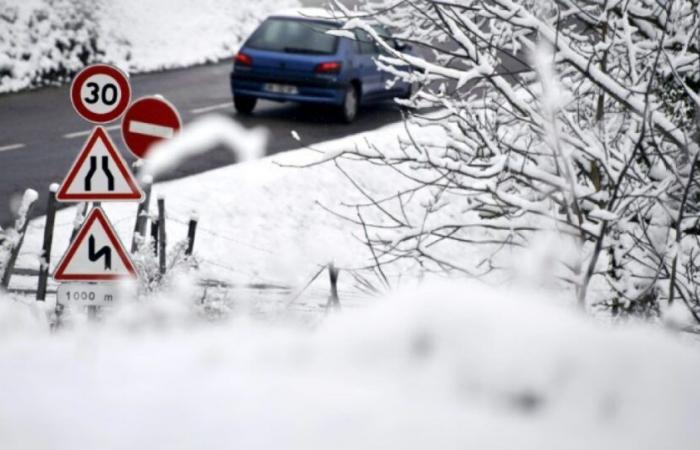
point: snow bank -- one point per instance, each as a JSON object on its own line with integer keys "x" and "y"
{"x": 47, "y": 41}
{"x": 261, "y": 221}
{"x": 441, "y": 366}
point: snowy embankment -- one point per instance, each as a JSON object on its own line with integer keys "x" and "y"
{"x": 44, "y": 41}
{"x": 443, "y": 366}
{"x": 262, "y": 221}
{"x": 446, "y": 364}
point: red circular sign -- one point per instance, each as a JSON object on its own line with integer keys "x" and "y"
{"x": 147, "y": 121}
{"x": 100, "y": 93}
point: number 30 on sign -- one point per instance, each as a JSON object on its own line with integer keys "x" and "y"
{"x": 100, "y": 93}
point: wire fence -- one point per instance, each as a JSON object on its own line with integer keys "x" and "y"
{"x": 310, "y": 295}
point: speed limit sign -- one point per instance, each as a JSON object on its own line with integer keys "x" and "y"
{"x": 100, "y": 93}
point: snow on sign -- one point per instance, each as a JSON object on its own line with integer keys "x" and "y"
{"x": 147, "y": 121}
{"x": 96, "y": 254}
{"x": 100, "y": 93}
{"x": 99, "y": 173}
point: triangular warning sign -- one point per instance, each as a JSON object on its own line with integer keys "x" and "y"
{"x": 99, "y": 173}
{"x": 96, "y": 254}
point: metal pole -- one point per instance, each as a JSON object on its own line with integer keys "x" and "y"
{"x": 191, "y": 232}
{"x": 161, "y": 234}
{"x": 46, "y": 246}
{"x": 141, "y": 218}
{"x": 154, "y": 236}
{"x": 333, "y": 300}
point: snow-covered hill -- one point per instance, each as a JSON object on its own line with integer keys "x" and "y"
{"x": 47, "y": 41}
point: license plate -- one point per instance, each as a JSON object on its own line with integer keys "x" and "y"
{"x": 280, "y": 88}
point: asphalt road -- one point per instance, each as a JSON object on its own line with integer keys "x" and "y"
{"x": 40, "y": 134}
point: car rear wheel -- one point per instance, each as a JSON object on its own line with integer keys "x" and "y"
{"x": 244, "y": 104}
{"x": 351, "y": 103}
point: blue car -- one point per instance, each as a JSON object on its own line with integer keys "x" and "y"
{"x": 292, "y": 58}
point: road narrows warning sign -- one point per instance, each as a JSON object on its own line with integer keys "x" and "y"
{"x": 99, "y": 173}
{"x": 96, "y": 254}
{"x": 147, "y": 121}
{"x": 100, "y": 93}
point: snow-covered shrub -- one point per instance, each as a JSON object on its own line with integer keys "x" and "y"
{"x": 147, "y": 264}
{"x": 11, "y": 238}
{"x": 44, "y": 42}
{"x": 47, "y": 41}
{"x": 19, "y": 317}
{"x": 572, "y": 117}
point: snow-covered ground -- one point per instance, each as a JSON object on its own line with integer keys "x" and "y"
{"x": 439, "y": 364}
{"x": 261, "y": 221}
{"x": 47, "y": 41}
{"x": 442, "y": 366}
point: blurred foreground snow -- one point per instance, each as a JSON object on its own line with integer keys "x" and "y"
{"x": 446, "y": 365}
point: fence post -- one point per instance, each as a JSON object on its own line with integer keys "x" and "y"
{"x": 154, "y": 236}
{"x": 80, "y": 212}
{"x": 333, "y": 300}
{"x": 161, "y": 234}
{"x": 21, "y": 223}
{"x": 45, "y": 260}
{"x": 191, "y": 232}
{"x": 142, "y": 216}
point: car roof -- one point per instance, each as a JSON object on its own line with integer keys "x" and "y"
{"x": 310, "y": 14}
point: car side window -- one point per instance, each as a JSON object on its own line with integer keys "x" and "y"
{"x": 364, "y": 42}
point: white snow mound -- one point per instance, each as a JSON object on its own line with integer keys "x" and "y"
{"x": 446, "y": 366}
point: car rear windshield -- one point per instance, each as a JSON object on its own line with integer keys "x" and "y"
{"x": 294, "y": 36}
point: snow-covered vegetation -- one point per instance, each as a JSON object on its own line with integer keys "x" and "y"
{"x": 574, "y": 181}
{"x": 47, "y": 41}
{"x": 572, "y": 122}
{"x": 12, "y": 238}
{"x": 448, "y": 366}
{"x": 261, "y": 221}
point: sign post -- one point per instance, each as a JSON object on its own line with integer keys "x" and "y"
{"x": 100, "y": 94}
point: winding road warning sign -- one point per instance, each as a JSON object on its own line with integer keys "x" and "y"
{"x": 96, "y": 254}
{"x": 100, "y": 93}
{"x": 99, "y": 173}
{"x": 147, "y": 121}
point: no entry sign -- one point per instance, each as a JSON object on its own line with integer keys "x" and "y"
{"x": 100, "y": 93}
{"x": 147, "y": 121}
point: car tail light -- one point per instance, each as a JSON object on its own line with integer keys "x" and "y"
{"x": 328, "y": 67}
{"x": 243, "y": 59}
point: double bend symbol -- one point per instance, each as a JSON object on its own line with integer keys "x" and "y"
{"x": 105, "y": 252}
